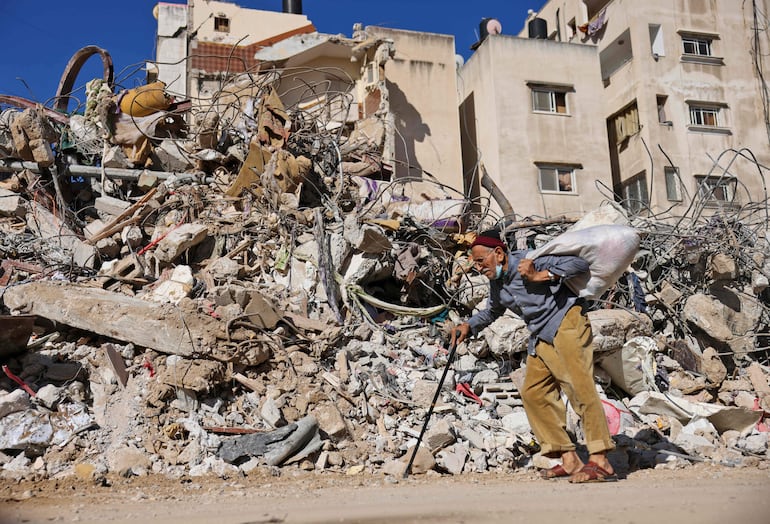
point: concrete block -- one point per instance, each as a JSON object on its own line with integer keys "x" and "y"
{"x": 180, "y": 240}
{"x": 439, "y": 435}
{"x": 12, "y": 204}
{"x": 330, "y": 421}
{"x": 110, "y": 205}
{"x": 16, "y": 400}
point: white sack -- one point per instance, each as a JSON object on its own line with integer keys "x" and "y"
{"x": 608, "y": 249}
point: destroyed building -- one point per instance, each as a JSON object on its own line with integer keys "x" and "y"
{"x": 261, "y": 273}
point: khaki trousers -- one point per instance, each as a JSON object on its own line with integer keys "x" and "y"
{"x": 566, "y": 365}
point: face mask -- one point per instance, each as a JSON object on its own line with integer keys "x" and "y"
{"x": 498, "y": 271}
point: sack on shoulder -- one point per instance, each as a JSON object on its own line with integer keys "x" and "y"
{"x": 608, "y": 249}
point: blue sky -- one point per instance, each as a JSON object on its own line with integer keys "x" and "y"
{"x": 38, "y": 37}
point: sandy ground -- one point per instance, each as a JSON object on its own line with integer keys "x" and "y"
{"x": 701, "y": 494}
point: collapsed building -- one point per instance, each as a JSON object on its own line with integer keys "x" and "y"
{"x": 243, "y": 280}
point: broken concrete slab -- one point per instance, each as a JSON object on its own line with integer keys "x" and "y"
{"x": 164, "y": 328}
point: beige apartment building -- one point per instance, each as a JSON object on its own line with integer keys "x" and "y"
{"x": 530, "y": 114}
{"x": 681, "y": 94}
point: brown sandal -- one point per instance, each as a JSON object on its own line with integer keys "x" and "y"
{"x": 556, "y": 472}
{"x": 596, "y": 473}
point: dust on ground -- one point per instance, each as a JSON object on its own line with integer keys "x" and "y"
{"x": 700, "y": 494}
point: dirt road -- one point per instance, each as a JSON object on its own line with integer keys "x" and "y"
{"x": 701, "y": 494}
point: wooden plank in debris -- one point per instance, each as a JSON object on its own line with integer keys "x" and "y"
{"x": 162, "y": 327}
{"x": 117, "y": 364}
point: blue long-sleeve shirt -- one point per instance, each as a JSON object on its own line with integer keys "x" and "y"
{"x": 542, "y": 305}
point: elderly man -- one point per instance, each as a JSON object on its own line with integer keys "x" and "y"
{"x": 560, "y": 352}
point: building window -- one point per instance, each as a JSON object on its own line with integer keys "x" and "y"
{"x": 660, "y": 101}
{"x": 716, "y": 189}
{"x": 673, "y": 184}
{"x": 656, "y": 41}
{"x": 634, "y": 191}
{"x": 557, "y": 179}
{"x": 626, "y": 123}
{"x": 549, "y": 100}
{"x": 222, "y": 24}
{"x": 696, "y": 45}
{"x": 704, "y": 116}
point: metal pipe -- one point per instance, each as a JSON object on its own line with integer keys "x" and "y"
{"x": 95, "y": 171}
{"x": 292, "y": 6}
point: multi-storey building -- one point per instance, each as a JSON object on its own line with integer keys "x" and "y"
{"x": 683, "y": 96}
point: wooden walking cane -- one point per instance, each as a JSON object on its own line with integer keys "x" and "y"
{"x": 452, "y": 348}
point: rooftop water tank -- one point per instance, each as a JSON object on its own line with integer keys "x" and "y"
{"x": 538, "y": 28}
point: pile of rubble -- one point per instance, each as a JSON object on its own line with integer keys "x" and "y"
{"x": 190, "y": 291}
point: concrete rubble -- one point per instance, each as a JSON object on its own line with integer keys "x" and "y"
{"x": 225, "y": 295}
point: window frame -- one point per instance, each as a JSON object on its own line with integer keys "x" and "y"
{"x": 673, "y": 184}
{"x": 553, "y": 101}
{"x": 219, "y": 22}
{"x": 696, "y": 41}
{"x": 708, "y": 187}
{"x": 555, "y": 92}
{"x": 557, "y": 170}
{"x": 698, "y": 47}
{"x": 641, "y": 202}
{"x": 700, "y": 112}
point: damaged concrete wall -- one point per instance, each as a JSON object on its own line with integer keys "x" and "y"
{"x": 422, "y": 85}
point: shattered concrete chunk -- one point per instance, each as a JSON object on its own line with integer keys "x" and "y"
{"x": 330, "y": 421}
{"x": 12, "y": 204}
{"x": 708, "y": 315}
{"x": 179, "y": 240}
{"x": 16, "y": 400}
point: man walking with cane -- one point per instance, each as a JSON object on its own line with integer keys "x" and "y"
{"x": 560, "y": 352}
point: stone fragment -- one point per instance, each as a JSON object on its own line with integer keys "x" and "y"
{"x": 367, "y": 238}
{"x": 111, "y": 205}
{"x": 271, "y": 413}
{"x": 723, "y": 267}
{"x": 179, "y": 240}
{"x": 439, "y": 435}
{"x": 475, "y": 438}
{"x": 93, "y": 228}
{"x": 132, "y": 236}
{"x": 128, "y": 460}
{"x": 107, "y": 247}
{"x": 686, "y": 383}
{"x": 756, "y": 444}
{"x": 172, "y": 156}
{"x": 16, "y": 400}
{"x": 49, "y": 396}
{"x": 613, "y": 327}
{"x": 330, "y": 421}
{"x": 178, "y": 286}
{"x": 12, "y": 204}
{"x": 116, "y": 157}
{"x": 708, "y": 315}
{"x": 196, "y": 375}
{"x": 712, "y": 366}
{"x": 453, "y": 458}
{"x": 517, "y": 422}
{"x": 224, "y": 268}
{"x": 423, "y": 461}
